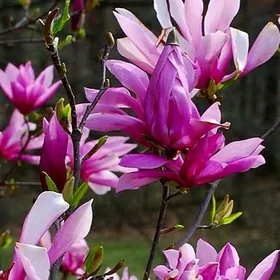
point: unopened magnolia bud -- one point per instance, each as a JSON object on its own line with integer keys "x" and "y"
{"x": 110, "y": 40}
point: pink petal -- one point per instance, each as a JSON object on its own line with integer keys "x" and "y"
{"x": 172, "y": 256}
{"x": 264, "y": 269}
{"x": 264, "y": 47}
{"x": 193, "y": 16}
{"x": 209, "y": 271}
{"x": 135, "y": 180}
{"x": 75, "y": 228}
{"x": 205, "y": 252}
{"x": 163, "y": 16}
{"x": 46, "y": 77}
{"x": 12, "y": 72}
{"x": 5, "y": 84}
{"x": 44, "y": 97}
{"x": 130, "y": 51}
{"x": 46, "y": 240}
{"x": 187, "y": 256}
{"x": 32, "y": 159}
{"x": 130, "y": 76}
{"x": 240, "y": 48}
{"x": 42, "y": 216}
{"x": 143, "y": 161}
{"x": 236, "y": 272}
{"x": 227, "y": 257}
{"x": 35, "y": 261}
{"x": 237, "y": 150}
{"x": 98, "y": 188}
{"x": 161, "y": 271}
{"x": 220, "y": 14}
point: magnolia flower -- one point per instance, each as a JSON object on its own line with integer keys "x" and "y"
{"x": 14, "y": 139}
{"x": 165, "y": 114}
{"x": 24, "y": 91}
{"x": 34, "y": 262}
{"x": 53, "y": 154}
{"x": 206, "y": 263}
{"x": 73, "y": 259}
{"x": 208, "y": 42}
{"x": 208, "y": 161}
{"x": 97, "y": 169}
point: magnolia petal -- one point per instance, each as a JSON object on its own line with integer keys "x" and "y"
{"x": 130, "y": 51}
{"x": 143, "y": 161}
{"x": 161, "y": 271}
{"x": 172, "y": 256}
{"x": 237, "y": 150}
{"x": 220, "y": 14}
{"x": 264, "y": 47}
{"x": 75, "y": 228}
{"x": 240, "y": 48}
{"x": 42, "y": 216}
{"x": 35, "y": 261}
{"x": 209, "y": 271}
{"x": 163, "y": 16}
{"x": 227, "y": 257}
{"x": 205, "y": 252}
{"x": 236, "y": 272}
{"x": 265, "y": 268}
{"x": 46, "y": 77}
{"x": 99, "y": 188}
{"x": 5, "y": 84}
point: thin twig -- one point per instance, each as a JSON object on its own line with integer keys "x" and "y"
{"x": 102, "y": 88}
{"x": 272, "y": 129}
{"x": 25, "y": 22}
{"x": 22, "y": 184}
{"x": 76, "y": 133}
{"x": 174, "y": 195}
{"x": 161, "y": 217}
{"x": 201, "y": 212}
{"x": 21, "y": 41}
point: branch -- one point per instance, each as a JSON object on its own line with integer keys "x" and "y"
{"x": 272, "y": 129}
{"x": 102, "y": 89}
{"x": 27, "y": 21}
{"x": 76, "y": 134}
{"x": 161, "y": 217}
{"x": 22, "y": 184}
{"x": 21, "y": 41}
{"x": 202, "y": 210}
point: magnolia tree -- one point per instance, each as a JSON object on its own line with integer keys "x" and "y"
{"x": 182, "y": 148}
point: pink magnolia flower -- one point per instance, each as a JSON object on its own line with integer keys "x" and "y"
{"x": 34, "y": 262}
{"x": 73, "y": 259}
{"x": 206, "y": 263}
{"x": 98, "y": 169}
{"x": 208, "y": 42}
{"x": 13, "y": 139}
{"x": 24, "y": 91}
{"x": 125, "y": 275}
{"x": 165, "y": 114}
{"x": 208, "y": 161}
{"x": 53, "y": 154}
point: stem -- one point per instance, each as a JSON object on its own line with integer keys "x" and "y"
{"x": 102, "y": 88}
{"x": 274, "y": 127}
{"x": 202, "y": 210}
{"x": 161, "y": 217}
{"x": 21, "y": 41}
{"x": 76, "y": 133}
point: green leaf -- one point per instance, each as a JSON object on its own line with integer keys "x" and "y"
{"x": 65, "y": 42}
{"x": 68, "y": 190}
{"x": 214, "y": 208}
{"x": 50, "y": 183}
{"x": 79, "y": 194}
{"x": 60, "y": 23}
{"x": 230, "y": 219}
{"x": 96, "y": 147}
{"x": 5, "y": 239}
{"x": 67, "y": 111}
{"x": 94, "y": 259}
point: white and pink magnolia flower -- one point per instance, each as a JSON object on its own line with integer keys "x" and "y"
{"x": 34, "y": 262}
{"x": 206, "y": 263}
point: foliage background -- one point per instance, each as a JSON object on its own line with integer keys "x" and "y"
{"x": 125, "y": 222}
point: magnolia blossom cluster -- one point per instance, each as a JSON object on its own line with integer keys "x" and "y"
{"x": 206, "y": 263}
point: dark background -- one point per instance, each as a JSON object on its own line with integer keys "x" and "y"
{"x": 252, "y": 105}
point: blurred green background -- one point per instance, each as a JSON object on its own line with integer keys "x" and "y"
{"x": 125, "y": 222}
